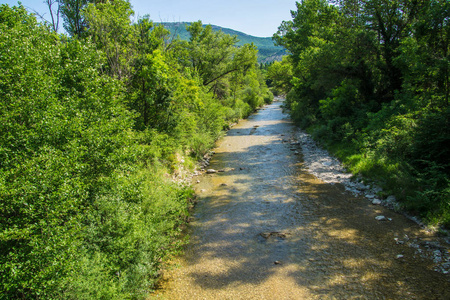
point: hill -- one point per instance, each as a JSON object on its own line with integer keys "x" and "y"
{"x": 268, "y": 52}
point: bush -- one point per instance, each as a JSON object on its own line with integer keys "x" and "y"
{"x": 82, "y": 213}
{"x": 268, "y": 97}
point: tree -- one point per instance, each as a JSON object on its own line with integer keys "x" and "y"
{"x": 61, "y": 126}
{"x": 213, "y": 55}
{"x": 71, "y": 11}
{"x": 391, "y": 20}
{"x": 111, "y": 29}
{"x": 55, "y": 13}
{"x": 280, "y": 74}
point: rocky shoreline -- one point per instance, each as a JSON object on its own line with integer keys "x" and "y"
{"x": 329, "y": 169}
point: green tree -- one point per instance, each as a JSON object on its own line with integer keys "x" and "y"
{"x": 213, "y": 55}
{"x": 111, "y": 29}
{"x": 62, "y": 127}
{"x": 280, "y": 75}
{"x": 71, "y": 11}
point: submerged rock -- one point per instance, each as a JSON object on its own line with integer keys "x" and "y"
{"x": 267, "y": 235}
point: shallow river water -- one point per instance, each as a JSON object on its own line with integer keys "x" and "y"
{"x": 264, "y": 228}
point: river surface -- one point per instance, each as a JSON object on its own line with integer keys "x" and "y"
{"x": 265, "y": 228}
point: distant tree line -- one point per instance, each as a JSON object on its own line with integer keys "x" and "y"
{"x": 370, "y": 79}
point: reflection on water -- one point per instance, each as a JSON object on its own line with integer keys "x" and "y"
{"x": 266, "y": 229}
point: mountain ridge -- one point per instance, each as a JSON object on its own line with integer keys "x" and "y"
{"x": 267, "y": 51}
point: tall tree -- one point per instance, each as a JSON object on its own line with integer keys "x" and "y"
{"x": 110, "y": 26}
{"x": 54, "y": 7}
{"x": 71, "y": 11}
{"x": 391, "y": 20}
{"x": 213, "y": 55}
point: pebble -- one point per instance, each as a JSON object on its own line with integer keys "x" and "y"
{"x": 391, "y": 199}
{"x": 381, "y": 218}
{"x": 398, "y": 242}
{"x": 376, "y": 202}
{"x": 211, "y": 171}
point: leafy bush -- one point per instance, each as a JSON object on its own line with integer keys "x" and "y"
{"x": 378, "y": 98}
{"x": 268, "y": 98}
{"x": 76, "y": 206}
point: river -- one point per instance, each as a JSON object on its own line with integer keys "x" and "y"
{"x": 264, "y": 228}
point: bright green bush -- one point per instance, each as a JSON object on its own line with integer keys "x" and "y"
{"x": 78, "y": 206}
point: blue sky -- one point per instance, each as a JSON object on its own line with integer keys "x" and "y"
{"x": 255, "y": 17}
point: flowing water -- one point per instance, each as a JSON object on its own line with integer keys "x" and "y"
{"x": 264, "y": 228}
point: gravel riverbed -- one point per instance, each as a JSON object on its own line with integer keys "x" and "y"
{"x": 330, "y": 170}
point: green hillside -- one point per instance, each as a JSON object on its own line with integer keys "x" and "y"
{"x": 268, "y": 52}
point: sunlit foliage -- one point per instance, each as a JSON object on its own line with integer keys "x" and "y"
{"x": 371, "y": 80}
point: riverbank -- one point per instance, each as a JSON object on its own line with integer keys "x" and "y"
{"x": 266, "y": 228}
{"x": 320, "y": 163}
{"x": 327, "y": 168}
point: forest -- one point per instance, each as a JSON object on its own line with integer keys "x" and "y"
{"x": 98, "y": 126}
{"x": 369, "y": 79}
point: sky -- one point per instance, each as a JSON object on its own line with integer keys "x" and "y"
{"x": 254, "y": 17}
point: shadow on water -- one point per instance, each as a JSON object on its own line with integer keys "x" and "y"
{"x": 266, "y": 229}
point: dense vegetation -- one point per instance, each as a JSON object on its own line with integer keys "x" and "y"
{"x": 370, "y": 79}
{"x": 267, "y": 50}
{"x": 94, "y": 126}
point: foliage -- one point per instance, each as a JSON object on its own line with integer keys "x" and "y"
{"x": 93, "y": 127}
{"x": 111, "y": 30}
{"x": 213, "y": 56}
{"x": 279, "y": 75}
{"x": 71, "y": 10}
{"x": 372, "y": 77}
